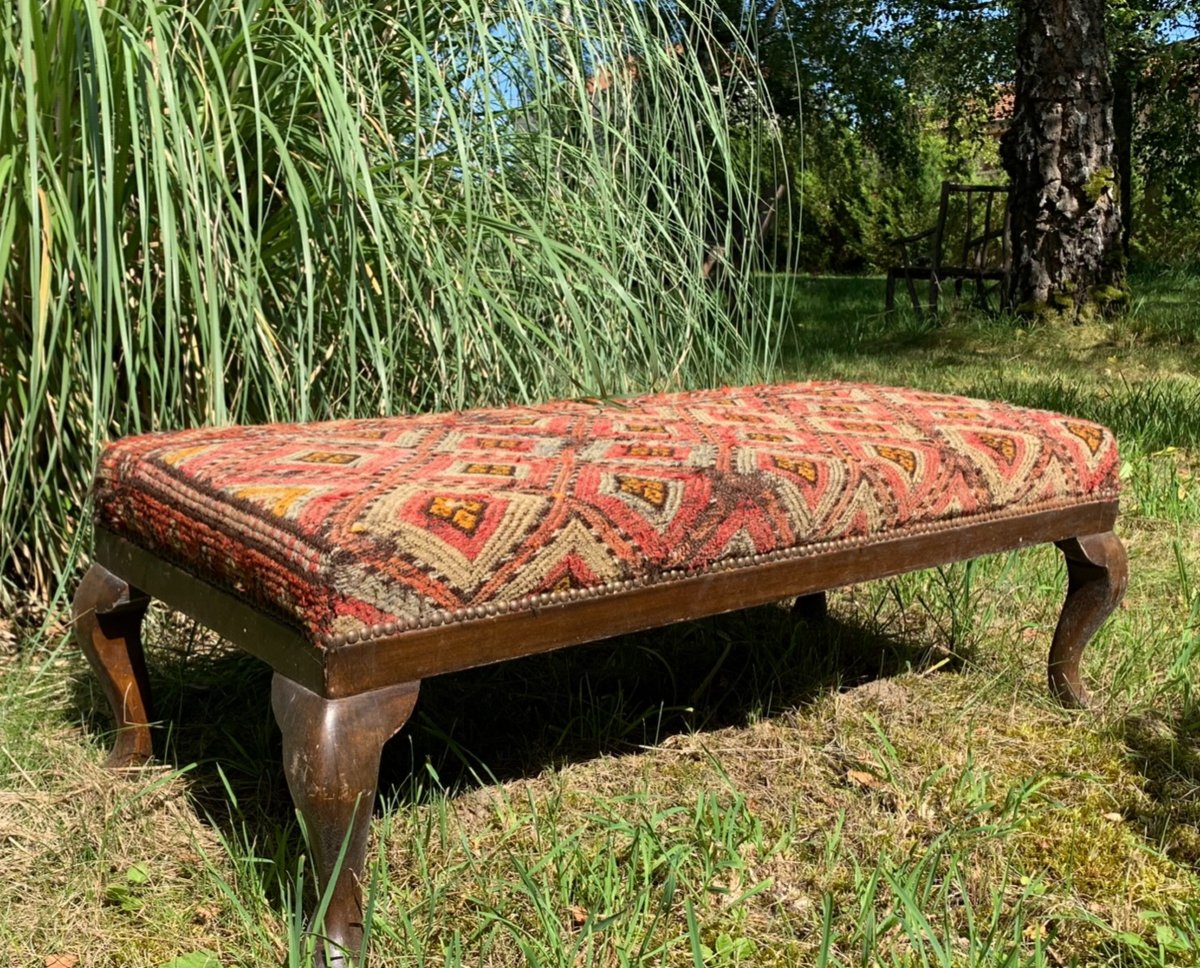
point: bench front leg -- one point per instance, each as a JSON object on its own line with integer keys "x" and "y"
{"x": 331, "y": 750}
{"x": 1097, "y": 572}
{"x": 108, "y": 628}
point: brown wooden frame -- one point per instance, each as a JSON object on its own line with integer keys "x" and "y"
{"x": 336, "y": 706}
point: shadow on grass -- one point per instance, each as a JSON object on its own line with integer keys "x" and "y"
{"x": 516, "y": 719}
{"x": 501, "y": 722}
{"x": 1166, "y": 751}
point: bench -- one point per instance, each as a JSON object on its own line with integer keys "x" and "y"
{"x": 358, "y": 557}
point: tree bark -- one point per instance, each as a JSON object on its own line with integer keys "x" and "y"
{"x": 1060, "y": 157}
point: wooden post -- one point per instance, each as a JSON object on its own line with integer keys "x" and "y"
{"x": 935, "y": 282}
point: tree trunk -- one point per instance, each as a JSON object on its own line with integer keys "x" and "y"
{"x": 1060, "y": 157}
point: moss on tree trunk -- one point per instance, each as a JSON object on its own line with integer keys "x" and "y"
{"x": 1060, "y": 156}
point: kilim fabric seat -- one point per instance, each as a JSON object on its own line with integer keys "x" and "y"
{"x": 359, "y": 529}
{"x": 360, "y": 556}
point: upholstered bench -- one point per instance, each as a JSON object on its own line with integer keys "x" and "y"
{"x": 358, "y": 557}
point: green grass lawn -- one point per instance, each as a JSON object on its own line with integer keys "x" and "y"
{"x": 892, "y": 788}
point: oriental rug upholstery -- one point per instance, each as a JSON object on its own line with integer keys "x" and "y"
{"x": 358, "y": 529}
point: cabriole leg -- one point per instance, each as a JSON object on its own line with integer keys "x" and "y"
{"x": 108, "y": 627}
{"x": 331, "y": 751}
{"x": 1097, "y": 571}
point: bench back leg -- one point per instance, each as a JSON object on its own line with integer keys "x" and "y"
{"x": 1097, "y": 572}
{"x": 108, "y": 628}
{"x": 810, "y": 608}
{"x": 331, "y": 750}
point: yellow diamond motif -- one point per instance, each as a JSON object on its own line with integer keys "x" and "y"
{"x": 276, "y": 499}
{"x": 1088, "y": 434}
{"x": 649, "y": 490}
{"x": 327, "y": 457}
{"x": 805, "y": 468}
{"x": 464, "y": 514}
{"x": 898, "y": 455}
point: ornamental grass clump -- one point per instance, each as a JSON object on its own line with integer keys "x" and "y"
{"x": 217, "y": 213}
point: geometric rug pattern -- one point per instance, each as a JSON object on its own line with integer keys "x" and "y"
{"x": 357, "y": 528}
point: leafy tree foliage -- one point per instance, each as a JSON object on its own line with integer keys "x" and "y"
{"x": 881, "y": 99}
{"x": 1156, "y": 72}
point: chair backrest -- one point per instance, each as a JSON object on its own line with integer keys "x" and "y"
{"x": 971, "y": 233}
